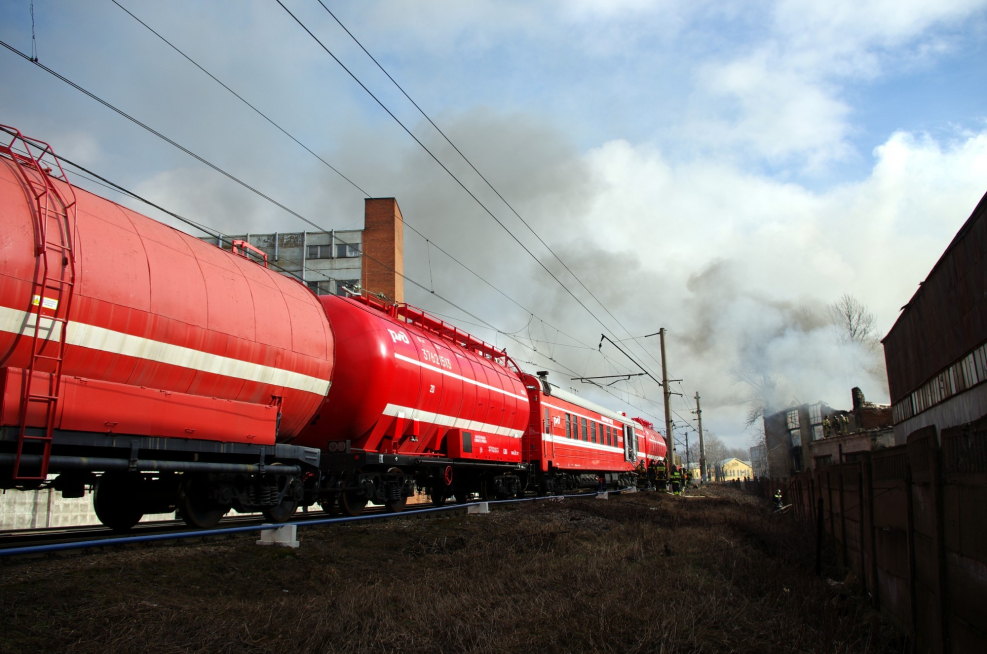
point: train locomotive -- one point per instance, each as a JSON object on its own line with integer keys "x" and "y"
{"x": 168, "y": 374}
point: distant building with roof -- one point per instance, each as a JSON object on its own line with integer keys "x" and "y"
{"x": 733, "y": 470}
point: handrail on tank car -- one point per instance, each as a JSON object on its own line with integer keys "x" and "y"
{"x": 418, "y": 317}
{"x": 241, "y": 247}
{"x": 126, "y": 540}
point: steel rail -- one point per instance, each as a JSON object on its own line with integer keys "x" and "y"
{"x": 148, "y": 538}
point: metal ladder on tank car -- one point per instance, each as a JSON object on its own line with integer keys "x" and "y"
{"x": 51, "y": 300}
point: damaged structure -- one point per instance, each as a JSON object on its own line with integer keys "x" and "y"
{"x": 804, "y": 437}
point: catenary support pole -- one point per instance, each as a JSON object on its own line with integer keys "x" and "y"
{"x": 668, "y": 411}
{"x": 702, "y": 443}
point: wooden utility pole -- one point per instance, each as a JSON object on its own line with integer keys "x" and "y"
{"x": 702, "y": 444}
{"x": 670, "y": 441}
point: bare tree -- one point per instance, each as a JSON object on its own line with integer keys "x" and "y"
{"x": 855, "y": 322}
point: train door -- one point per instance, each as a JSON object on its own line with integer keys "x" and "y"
{"x": 630, "y": 444}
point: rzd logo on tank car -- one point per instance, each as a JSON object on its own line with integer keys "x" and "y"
{"x": 399, "y": 336}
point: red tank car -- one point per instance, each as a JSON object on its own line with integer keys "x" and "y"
{"x": 147, "y": 350}
{"x": 414, "y": 399}
{"x": 651, "y": 445}
{"x": 572, "y": 442}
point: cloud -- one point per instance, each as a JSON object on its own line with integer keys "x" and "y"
{"x": 738, "y": 266}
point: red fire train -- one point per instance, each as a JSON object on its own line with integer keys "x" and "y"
{"x": 170, "y": 374}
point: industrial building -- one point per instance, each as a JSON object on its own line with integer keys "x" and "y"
{"x": 338, "y": 261}
{"x": 936, "y": 352}
{"x": 804, "y": 437}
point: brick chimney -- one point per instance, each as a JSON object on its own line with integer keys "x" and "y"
{"x": 383, "y": 248}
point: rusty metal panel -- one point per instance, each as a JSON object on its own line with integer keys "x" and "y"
{"x": 947, "y": 316}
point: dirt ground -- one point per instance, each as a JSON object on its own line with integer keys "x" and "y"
{"x": 635, "y": 573}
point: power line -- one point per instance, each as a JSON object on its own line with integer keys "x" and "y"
{"x": 470, "y": 163}
{"x": 331, "y": 167}
{"x": 240, "y": 97}
{"x": 271, "y": 200}
{"x": 449, "y": 172}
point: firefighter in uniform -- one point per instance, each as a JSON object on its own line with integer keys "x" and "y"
{"x": 661, "y": 476}
{"x": 641, "y": 472}
{"x": 651, "y": 473}
{"x": 778, "y": 504}
{"x": 676, "y": 480}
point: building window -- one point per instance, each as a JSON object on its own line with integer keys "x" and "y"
{"x": 346, "y": 250}
{"x": 815, "y": 414}
{"x": 817, "y": 432}
{"x": 792, "y": 418}
{"x": 320, "y": 252}
{"x": 321, "y": 288}
{"x": 796, "y": 437}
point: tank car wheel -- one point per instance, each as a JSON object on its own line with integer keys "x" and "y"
{"x": 194, "y": 507}
{"x": 330, "y": 506}
{"x": 397, "y": 506}
{"x": 437, "y": 495}
{"x": 115, "y": 501}
{"x": 351, "y": 504}
{"x": 289, "y": 504}
{"x": 281, "y": 512}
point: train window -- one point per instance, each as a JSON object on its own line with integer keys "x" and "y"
{"x": 592, "y": 431}
{"x": 568, "y": 426}
{"x": 609, "y": 436}
{"x": 548, "y": 423}
{"x": 585, "y": 430}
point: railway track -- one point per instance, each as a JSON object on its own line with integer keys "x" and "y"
{"x": 52, "y": 535}
{"x": 31, "y": 542}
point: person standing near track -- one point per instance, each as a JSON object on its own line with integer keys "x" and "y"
{"x": 676, "y": 479}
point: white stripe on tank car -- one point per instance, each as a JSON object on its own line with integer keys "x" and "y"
{"x": 449, "y": 373}
{"x": 563, "y": 440}
{"x": 449, "y": 421}
{"x": 113, "y": 342}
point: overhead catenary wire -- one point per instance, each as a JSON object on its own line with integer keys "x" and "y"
{"x": 334, "y": 169}
{"x": 263, "y": 196}
{"x": 235, "y": 179}
{"x": 429, "y": 243}
{"x": 446, "y": 169}
{"x": 474, "y": 168}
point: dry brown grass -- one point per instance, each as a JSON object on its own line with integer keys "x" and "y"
{"x": 638, "y": 573}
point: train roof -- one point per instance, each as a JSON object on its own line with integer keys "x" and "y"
{"x": 555, "y": 391}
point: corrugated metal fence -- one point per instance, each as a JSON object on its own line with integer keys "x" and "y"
{"x": 911, "y": 523}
